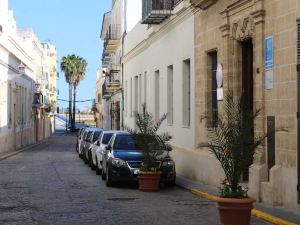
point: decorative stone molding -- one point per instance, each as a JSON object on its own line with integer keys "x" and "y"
{"x": 225, "y": 29}
{"x": 236, "y": 25}
{"x": 242, "y": 29}
{"x": 203, "y": 4}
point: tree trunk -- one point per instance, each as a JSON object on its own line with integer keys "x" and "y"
{"x": 70, "y": 104}
{"x": 74, "y": 108}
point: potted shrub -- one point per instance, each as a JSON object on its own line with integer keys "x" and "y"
{"x": 233, "y": 143}
{"x": 152, "y": 146}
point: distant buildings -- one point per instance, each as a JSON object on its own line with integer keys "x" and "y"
{"x": 25, "y": 84}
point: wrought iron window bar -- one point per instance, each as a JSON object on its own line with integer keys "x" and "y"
{"x": 156, "y": 11}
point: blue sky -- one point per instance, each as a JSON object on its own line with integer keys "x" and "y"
{"x": 73, "y": 27}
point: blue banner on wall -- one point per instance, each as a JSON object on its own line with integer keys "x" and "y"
{"x": 269, "y": 53}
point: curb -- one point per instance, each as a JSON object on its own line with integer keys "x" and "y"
{"x": 257, "y": 213}
{"x": 21, "y": 150}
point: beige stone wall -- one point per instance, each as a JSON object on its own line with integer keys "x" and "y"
{"x": 12, "y": 142}
{"x": 215, "y": 31}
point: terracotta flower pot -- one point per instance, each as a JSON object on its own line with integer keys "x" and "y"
{"x": 235, "y": 211}
{"x": 148, "y": 181}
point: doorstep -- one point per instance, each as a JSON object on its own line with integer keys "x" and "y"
{"x": 273, "y": 214}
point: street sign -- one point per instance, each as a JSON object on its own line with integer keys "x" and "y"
{"x": 269, "y": 53}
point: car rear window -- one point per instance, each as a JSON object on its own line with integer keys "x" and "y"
{"x": 88, "y": 136}
{"x": 96, "y": 135}
{"x": 124, "y": 142}
{"x": 106, "y": 138}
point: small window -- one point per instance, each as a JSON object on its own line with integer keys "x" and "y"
{"x": 186, "y": 93}
{"x": 170, "y": 94}
{"x": 156, "y": 93}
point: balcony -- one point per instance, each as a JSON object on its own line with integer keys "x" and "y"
{"x": 203, "y": 4}
{"x": 156, "y": 11}
{"x": 105, "y": 93}
{"x": 112, "y": 39}
{"x": 113, "y": 83}
{"x": 105, "y": 60}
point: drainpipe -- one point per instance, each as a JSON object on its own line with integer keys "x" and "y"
{"x": 122, "y": 66}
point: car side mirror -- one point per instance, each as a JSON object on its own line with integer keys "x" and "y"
{"x": 98, "y": 143}
{"x": 108, "y": 147}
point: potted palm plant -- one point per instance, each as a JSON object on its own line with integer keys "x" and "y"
{"x": 152, "y": 145}
{"x": 233, "y": 143}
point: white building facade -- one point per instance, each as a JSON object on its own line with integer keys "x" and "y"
{"x": 19, "y": 117}
{"x": 158, "y": 68}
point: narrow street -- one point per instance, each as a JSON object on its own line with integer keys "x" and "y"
{"x": 51, "y": 185}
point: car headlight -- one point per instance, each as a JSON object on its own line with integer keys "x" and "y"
{"x": 168, "y": 163}
{"x": 118, "y": 162}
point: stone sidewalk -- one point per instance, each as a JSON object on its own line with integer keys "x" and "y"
{"x": 276, "y": 211}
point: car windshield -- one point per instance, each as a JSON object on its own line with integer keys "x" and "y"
{"x": 96, "y": 135}
{"x": 106, "y": 138}
{"x": 124, "y": 141}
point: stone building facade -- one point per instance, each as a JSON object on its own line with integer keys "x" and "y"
{"x": 255, "y": 43}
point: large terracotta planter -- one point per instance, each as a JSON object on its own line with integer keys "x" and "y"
{"x": 148, "y": 181}
{"x": 235, "y": 211}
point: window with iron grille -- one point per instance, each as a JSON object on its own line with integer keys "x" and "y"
{"x": 156, "y": 11}
{"x": 212, "y": 87}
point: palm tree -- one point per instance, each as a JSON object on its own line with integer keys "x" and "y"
{"x": 67, "y": 66}
{"x": 81, "y": 66}
{"x": 74, "y": 68}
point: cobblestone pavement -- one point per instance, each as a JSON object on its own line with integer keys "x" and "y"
{"x": 51, "y": 185}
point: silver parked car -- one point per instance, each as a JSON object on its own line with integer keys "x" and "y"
{"x": 98, "y": 148}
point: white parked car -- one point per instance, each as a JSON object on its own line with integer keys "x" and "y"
{"x": 98, "y": 149}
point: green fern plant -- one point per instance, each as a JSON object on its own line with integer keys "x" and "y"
{"x": 148, "y": 140}
{"x": 234, "y": 145}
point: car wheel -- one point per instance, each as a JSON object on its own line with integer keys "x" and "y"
{"x": 103, "y": 175}
{"x": 91, "y": 161}
{"x": 98, "y": 171}
{"x": 109, "y": 182}
{"x": 84, "y": 158}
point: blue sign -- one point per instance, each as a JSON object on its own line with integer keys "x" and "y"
{"x": 269, "y": 53}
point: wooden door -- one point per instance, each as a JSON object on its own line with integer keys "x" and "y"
{"x": 247, "y": 85}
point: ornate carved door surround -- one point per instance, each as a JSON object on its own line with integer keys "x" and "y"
{"x": 244, "y": 20}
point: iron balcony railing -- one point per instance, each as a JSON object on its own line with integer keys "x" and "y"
{"x": 156, "y": 11}
{"x": 105, "y": 93}
{"x": 113, "y": 32}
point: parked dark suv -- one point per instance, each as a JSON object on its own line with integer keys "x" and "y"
{"x": 122, "y": 161}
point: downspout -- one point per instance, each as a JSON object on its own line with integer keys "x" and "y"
{"x": 122, "y": 55}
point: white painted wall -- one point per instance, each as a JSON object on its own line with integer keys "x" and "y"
{"x": 169, "y": 48}
{"x": 133, "y": 13}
